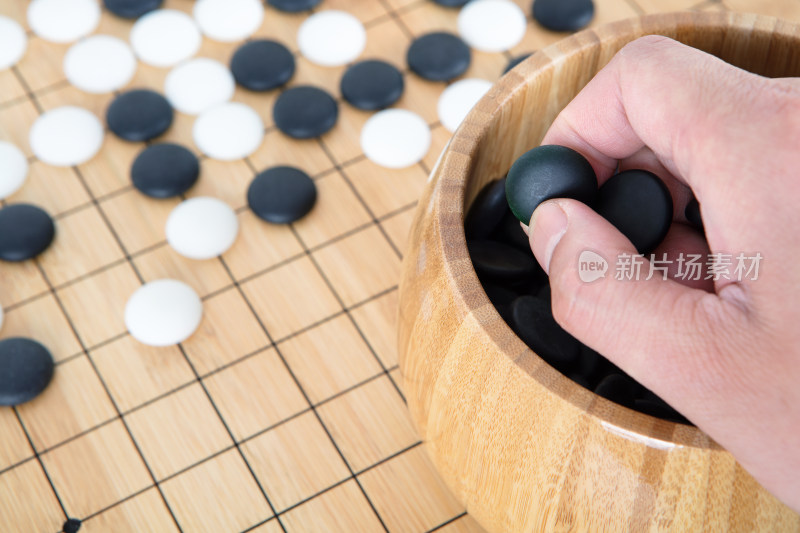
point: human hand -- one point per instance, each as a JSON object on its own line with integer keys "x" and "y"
{"x": 726, "y": 352}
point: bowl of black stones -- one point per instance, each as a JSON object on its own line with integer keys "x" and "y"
{"x": 530, "y": 429}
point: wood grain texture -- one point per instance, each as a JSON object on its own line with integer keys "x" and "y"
{"x": 522, "y": 446}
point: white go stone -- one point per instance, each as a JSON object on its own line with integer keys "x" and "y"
{"x": 491, "y": 25}
{"x": 13, "y": 169}
{"x": 66, "y": 136}
{"x": 198, "y": 84}
{"x": 202, "y": 228}
{"x": 163, "y": 312}
{"x": 458, "y": 99}
{"x": 331, "y": 38}
{"x": 228, "y": 131}
{"x": 13, "y": 42}
{"x": 165, "y": 37}
{"x": 63, "y": 21}
{"x": 99, "y": 64}
{"x": 228, "y": 20}
{"x": 395, "y": 138}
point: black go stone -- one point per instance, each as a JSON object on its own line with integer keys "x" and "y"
{"x": 281, "y": 194}
{"x": 547, "y": 172}
{"x": 619, "y": 388}
{"x": 514, "y": 61}
{"x": 372, "y": 85}
{"x": 451, "y": 3}
{"x": 545, "y": 293}
{"x": 305, "y": 112}
{"x": 72, "y": 525}
{"x": 498, "y": 294}
{"x": 165, "y": 170}
{"x": 25, "y": 231}
{"x": 26, "y": 367}
{"x": 262, "y": 65}
{"x": 131, "y": 9}
{"x": 659, "y": 409}
{"x": 563, "y": 15}
{"x": 692, "y": 214}
{"x": 294, "y": 6}
{"x": 533, "y": 322}
{"x": 499, "y": 261}
{"x": 580, "y": 380}
{"x": 438, "y": 56}
{"x": 639, "y": 205}
{"x": 654, "y": 405}
{"x": 532, "y": 284}
{"x": 487, "y": 210}
{"x": 139, "y": 115}
{"x": 510, "y": 232}
{"x": 589, "y": 361}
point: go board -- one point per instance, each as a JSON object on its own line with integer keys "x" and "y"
{"x": 284, "y": 411}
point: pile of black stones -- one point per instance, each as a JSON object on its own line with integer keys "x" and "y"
{"x": 635, "y": 201}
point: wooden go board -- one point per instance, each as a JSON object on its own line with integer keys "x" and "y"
{"x": 284, "y": 411}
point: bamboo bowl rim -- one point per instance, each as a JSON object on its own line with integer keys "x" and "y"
{"x": 452, "y": 174}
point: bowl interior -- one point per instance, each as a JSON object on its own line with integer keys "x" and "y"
{"x": 516, "y": 113}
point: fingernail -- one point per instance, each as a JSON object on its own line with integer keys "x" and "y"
{"x": 548, "y": 225}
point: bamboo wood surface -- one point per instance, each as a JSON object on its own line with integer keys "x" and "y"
{"x": 522, "y": 446}
{"x": 284, "y": 411}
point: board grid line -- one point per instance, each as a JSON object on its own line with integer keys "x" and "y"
{"x": 39, "y": 109}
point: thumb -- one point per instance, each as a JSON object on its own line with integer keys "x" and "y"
{"x": 661, "y": 332}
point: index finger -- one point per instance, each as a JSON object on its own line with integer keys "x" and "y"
{"x": 658, "y": 93}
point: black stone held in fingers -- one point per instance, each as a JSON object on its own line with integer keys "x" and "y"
{"x": 26, "y": 368}
{"x": 487, "y": 210}
{"x": 533, "y": 322}
{"x": 139, "y": 115}
{"x": 563, "y": 15}
{"x": 164, "y": 170}
{"x": 639, "y": 205}
{"x": 372, "y": 84}
{"x": 294, "y": 6}
{"x": 546, "y": 172}
{"x": 281, "y": 194}
{"x": 499, "y": 261}
{"x": 25, "y": 231}
{"x": 438, "y": 56}
{"x": 131, "y": 9}
{"x": 305, "y": 112}
{"x": 262, "y": 65}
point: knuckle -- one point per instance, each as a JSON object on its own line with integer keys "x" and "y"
{"x": 783, "y": 95}
{"x": 722, "y": 344}
{"x": 646, "y": 46}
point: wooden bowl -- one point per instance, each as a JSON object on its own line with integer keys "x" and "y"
{"x": 522, "y": 446}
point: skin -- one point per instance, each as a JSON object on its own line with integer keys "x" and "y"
{"x": 726, "y": 354}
